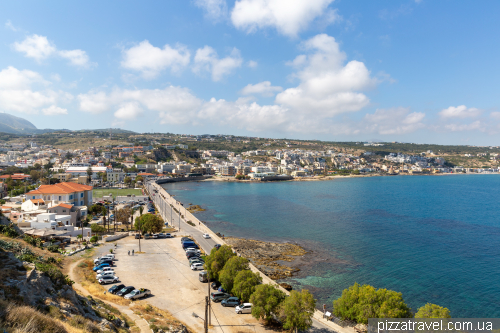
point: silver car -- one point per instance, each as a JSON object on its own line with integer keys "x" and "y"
{"x": 244, "y": 308}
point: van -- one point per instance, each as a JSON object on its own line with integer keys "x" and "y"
{"x": 203, "y": 276}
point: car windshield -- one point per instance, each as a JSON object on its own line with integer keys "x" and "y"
{"x": 134, "y": 292}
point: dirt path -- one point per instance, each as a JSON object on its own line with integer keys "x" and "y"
{"x": 140, "y": 322}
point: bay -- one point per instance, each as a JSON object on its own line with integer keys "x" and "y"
{"x": 434, "y": 238}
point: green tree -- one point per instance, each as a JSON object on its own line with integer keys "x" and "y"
{"x": 89, "y": 174}
{"x": 149, "y": 223}
{"x": 297, "y": 310}
{"x": 231, "y": 268}
{"x": 94, "y": 239}
{"x": 266, "y": 301}
{"x": 245, "y": 283}
{"x": 430, "y": 310}
{"x": 216, "y": 260}
{"x": 359, "y": 303}
{"x": 141, "y": 209}
{"x": 35, "y": 175}
{"x": 139, "y": 179}
{"x": 98, "y": 229}
{"x": 127, "y": 181}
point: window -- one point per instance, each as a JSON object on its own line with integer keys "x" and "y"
{"x": 33, "y": 197}
{"x": 64, "y": 210}
{"x": 59, "y": 198}
{"x": 71, "y": 197}
{"x": 81, "y": 195}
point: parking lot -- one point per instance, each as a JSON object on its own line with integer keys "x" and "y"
{"x": 164, "y": 269}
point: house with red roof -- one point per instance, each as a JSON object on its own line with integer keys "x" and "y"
{"x": 67, "y": 192}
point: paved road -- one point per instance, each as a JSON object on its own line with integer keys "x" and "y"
{"x": 174, "y": 219}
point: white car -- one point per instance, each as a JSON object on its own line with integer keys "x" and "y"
{"x": 108, "y": 279}
{"x": 168, "y": 236}
{"x": 244, "y": 308}
{"x": 197, "y": 266}
{"x": 107, "y": 256}
{"x": 206, "y": 236}
{"x": 105, "y": 269}
{"x": 103, "y": 274}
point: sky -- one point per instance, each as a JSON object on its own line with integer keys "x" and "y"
{"x": 420, "y": 71}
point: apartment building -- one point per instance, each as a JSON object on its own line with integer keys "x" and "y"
{"x": 72, "y": 193}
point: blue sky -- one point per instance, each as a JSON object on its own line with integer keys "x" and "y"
{"x": 411, "y": 71}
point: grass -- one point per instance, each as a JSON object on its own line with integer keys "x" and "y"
{"x": 89, "y": 282}
{"x": 156, "y": 317}
{"x": 99, "y": 193}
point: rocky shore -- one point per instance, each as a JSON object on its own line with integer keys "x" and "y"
{"x": 269, "y": 257}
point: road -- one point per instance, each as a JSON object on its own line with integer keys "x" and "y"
{"x": 168, "y": 214}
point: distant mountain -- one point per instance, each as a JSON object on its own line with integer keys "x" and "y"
{"x": 15, "y": 125}
{"x": 107, "y": 130}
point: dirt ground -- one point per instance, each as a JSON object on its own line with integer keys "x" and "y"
{"x": 164, "y": 270}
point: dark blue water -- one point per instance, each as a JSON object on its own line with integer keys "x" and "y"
{"x": 435, "y": 239}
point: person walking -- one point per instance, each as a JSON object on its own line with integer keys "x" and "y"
{"x": 128, "y": 252}
{"x": 132, "y": 252}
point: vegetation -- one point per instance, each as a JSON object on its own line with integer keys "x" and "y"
{"x": 245, "y": 283}
{"x": 358, "y": 303}
{"x": 9, "y": 230}
{"x": 432, "y": 311}
{"x": 115, "y": 192}
{"x": 98, "y": 229}
{"x": 297, "y": 310}
{"x": 230, "y": 270}
{"x": 266, "y": 301}
{"x": 150, "y": 223}
{"x": 216, "y": 260}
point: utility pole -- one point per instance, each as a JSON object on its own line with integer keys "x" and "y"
{"x": 207, "y": 313}
{"x": 208, "y": 298}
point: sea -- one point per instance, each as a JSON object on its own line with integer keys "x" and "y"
{"x": 435, "y": 239}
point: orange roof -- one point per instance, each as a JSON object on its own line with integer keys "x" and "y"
{"x": 61, "y": 188}
{"x": 145, "y": 174}
{"x": 63, "y": 205}
{"x": 37, "y": 201}
{"x": 15, "y": 176}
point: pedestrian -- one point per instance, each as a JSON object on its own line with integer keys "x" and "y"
{"x": 128, "y": 252}
{"x": 132, "y": 252}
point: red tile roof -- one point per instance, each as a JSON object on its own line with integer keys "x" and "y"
{"x": 62, "y": 205}
{"x": 61, "y": 188}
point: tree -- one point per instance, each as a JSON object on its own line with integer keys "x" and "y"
{"x": 139, "y": 179}
{"x": 127, "y": 181}
{"x": 297, "y": 310}
{"x": 35, "y": 175}
{"x": 245, "y": 283}
{"x": 216, "y": 260}
{"x": 231, "y": 268}
{"x": 141, "y": 209}
{"x": 430, "y": 310}
{"x": 266, "y": 301}
{"x": 150, "y": 223}
{"x": 123, "y": 215}
{"x": 89, "y": 174}
{"x": 359, "y": 303}
{"x": 94, "y": 239}
{"x": 98, "y": 229}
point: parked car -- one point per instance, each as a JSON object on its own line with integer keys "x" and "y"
{"x": 147, "y": 236}
{"x": 103, "y": 274}
{"x": 192, "y": 255}
{"x": 215, "y": 285}
{"x": 244, "y": 308}
{"x": 138, "y": 293}
{"x": 161, "y": 235}
{"x": 105, "y": 269}
{"x": 218, "y": 296}
{"x": 222, "y": 290}
{"x": 104, "y": 261}
{"x": 125, "y": 291}
{"x": 101, "y": 266}
{"x": 155, "y": 236}
{"x": 217, "y": 246}
{"x": 197, "y": 266}
{"x": 231, "y": 301}
{"x": 116, "y": 288}
{"x": 185, "y": 245}
{"x": 138, "y": 236}
{"x": 183, "y": 239}
{"x": 196, "y": 261}
{"x": 108, "y": 279}
{"x": 206, "y": 236}
{"x": 168, "y": 235}
{"x": 107, "y": 256}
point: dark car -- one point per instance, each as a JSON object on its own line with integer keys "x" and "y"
{"x": 184, "y": 239}
{"x": 116, "y": 288}
{"x": 215, "y": 285}
{"x": 222, "y": 290}
{"x": 125, "y": 291}
{"x": 190, "y": 255}
{"x": 217, "y": 246}
{"x": 104, "y": 261}
{"x": 185, "y": 245}
{"x": 138, "y": 236}
{"x": 218, "y": 296}
{"x": 231, "y": 301}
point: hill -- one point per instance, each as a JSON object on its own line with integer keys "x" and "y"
{"x": 16, "y": 125}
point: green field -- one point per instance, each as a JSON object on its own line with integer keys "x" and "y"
{"x": 99, "y": 193}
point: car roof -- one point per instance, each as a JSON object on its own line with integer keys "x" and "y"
{"x": 247, "y": 304}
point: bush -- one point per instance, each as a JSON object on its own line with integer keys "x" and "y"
{"x": 27, "y": 319}
{"x": 53, "y": 248}
{"x": 94, "y": 239}
{"x": 9, "y": 230}
{"x": 55, "y": 275}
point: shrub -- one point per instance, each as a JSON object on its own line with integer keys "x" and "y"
{"x": 51, "y": 260}
{"x": 27, "y": 319}
{"x": 53, "y": 248}
{"x": 94, "y": 239}
{"x": 9, "y": 230}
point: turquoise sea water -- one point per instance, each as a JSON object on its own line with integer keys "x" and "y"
{"x": 435, "y": 239}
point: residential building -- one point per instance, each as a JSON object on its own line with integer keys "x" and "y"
{"x": 77, "y": 213}
{"x": 67, "y": 192}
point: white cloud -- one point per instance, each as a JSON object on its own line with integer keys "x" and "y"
{"x": 54, "y": 111}
{"x": 17, "y": 91}
{"x": 263, "y": 88}
{"x": 288, "y": 17}
{"x": 394, "y": 121}
{"x": 129, "y": 111}
{"x": 36, "y": 47}
{"x": 151, "y": 60}
{"x": 252, "y": 64}
{"x": 39, "y": 48}
{"x": 474, "y": 126}
{"x": 10, "y": 26}
{"x": 460, "y": 111}
{"x": 327, "y": 86}
{"x": 206, "y": 59}
{"x": 495, "y": 115}
{"x": 215, "y": 10}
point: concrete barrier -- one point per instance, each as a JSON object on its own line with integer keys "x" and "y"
{"x": 115, "y": 237}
